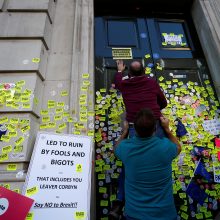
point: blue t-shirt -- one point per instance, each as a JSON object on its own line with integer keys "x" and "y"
{"x": 148, "y": 177}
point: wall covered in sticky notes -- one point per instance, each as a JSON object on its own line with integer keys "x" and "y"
{"x": 196, "y": 171}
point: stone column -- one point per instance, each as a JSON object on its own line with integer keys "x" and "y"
{"x": 83, "y": 63}
{"x": 206, "y": 16}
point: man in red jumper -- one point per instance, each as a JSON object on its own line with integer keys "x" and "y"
{"x": 138, "y": 92}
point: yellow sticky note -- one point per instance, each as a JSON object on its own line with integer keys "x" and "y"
{"x": 64, "y": 93}
{"x": 7, "y": 186}
{"x": 36, "y": 60}
{"x": 25, "y": 128}
{"x": 20, "y": 83}
{"x": 85, "y": 76}
{"x": 14, "y": 120}
{"x": 45, "y": 119}
{"x": 12, "y": 134}
{"x": 11, "y": 167}
{"x": 19, "y": 141}
{"x": 147, "y": 56}
{"x": 3, "y": 119}
{"x": 102, "y": 190}
{"x": 86, "y": 83}
{"x": 6, "y": 149}
{"x": 58, "y": 117}
{"x": 104, "y": 203}
{"x": 199, "y": 216}
{"x": 101, "y": 176}
{"x": 79, "y": 215}
{"x": 26, "y": 105}
{"x": 18, "y": 149}
{"x": 30, "y": 216}
{"x": 60, "y": 104}
{"x": 3, "y": 157}
{"x": 5, "y": 138}
{"x": 16, "y": 190}
{"x": 32, "y": 191}
{"x": 77, "y": 132}
{"x": 79, "y": 168}
{"x": 62, "y": 126}
{"x": 44, "y": 112}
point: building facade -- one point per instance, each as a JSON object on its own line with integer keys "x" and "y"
{"x": 57, "y": 65}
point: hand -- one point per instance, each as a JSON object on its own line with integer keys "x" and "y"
{"x": 120, "y": 65}
{"x": 165, "y": 123}
{"x": 126, "y": 126}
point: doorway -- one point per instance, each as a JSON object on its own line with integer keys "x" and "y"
{"x": 165, "y": 41}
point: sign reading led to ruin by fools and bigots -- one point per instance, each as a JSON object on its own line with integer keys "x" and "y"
{"x": 122, "y": 53}
{"x": 59, "y": 177}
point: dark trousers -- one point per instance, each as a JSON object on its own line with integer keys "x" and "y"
{"x": 121, "y": 180}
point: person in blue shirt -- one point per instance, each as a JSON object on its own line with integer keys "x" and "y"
{"x": 148, "y": 173}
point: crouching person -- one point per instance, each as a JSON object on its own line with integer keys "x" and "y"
{"x": 148, "y": 174}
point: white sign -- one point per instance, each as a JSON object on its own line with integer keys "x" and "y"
{"x": 59, "y": 177}
{"x": 212, "y": 126}
{"x": 169, "y": 39}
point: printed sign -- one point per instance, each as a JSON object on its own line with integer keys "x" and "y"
{"x": 122, "y": 53}
{"x": 212, "y": 126}
{"x": 59, "y": 177}
{"x": 13, "y": 205}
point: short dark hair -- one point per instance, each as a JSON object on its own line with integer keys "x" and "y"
{"x": 145, "y": 123}
{"x": 136, "y": 71}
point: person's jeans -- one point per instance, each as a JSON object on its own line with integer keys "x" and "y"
{"x": 121, "y": 180}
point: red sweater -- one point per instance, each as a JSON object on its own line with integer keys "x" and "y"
{"x": 140, "y": 92}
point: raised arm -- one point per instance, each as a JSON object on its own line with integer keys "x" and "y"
{"x": 165, "y": 125}
{"x": 119, "y": 74}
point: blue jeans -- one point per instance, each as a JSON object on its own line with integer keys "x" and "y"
{"x": 121, "y": 180}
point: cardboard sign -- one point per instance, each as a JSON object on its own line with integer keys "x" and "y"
{"x": 13, "y": 205}
{"x": 122, "y": 53}
{"x": 59, "y": 177}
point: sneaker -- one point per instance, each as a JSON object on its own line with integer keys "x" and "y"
{"x": 116, "y": 210}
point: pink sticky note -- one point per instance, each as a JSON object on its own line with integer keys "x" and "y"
{"x": 219, "y": 155}
{"x": 217, "y": 142}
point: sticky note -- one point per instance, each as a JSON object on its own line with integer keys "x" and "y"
{"x": 79, "y": 215}
{"x": 85, "y": 76}
{"x": 45, "y": 119}
{"x": 36, "y": 60}
{"x": 104, "y": 203}
{"x": 7, "y": 149}
{"x": 3, "y": 157}
{"x": 102, "y": 190}
{"x": 58, "y": 117}
{"x": 147, "y": 56}
{"x": 16, "y": 190}
{"x": 14, "y": 120}
{"x": 25, "y": 128}
{"x": 86, "y": 83}
{"x": 5, "y": 138}
{"x": 60, "y": 104}
{"x": 101, "y": 176}
{"x": 199, "y": 216}
{"x": 19, "y": 141}
{"x": 44, "y": 112}
{"x": 26, "y": 105}
{"x": 11, "y": 167}
{"x": 18, "y": 149}
{"x": 32, "y": 191}
{"x": 20, "y": 83}
{"x": 7, "y": 186}
{"x": 30, "y": 216}
{"x": 112, "y": 197}
{"x": 184, "y": 215}
{"x": 79, "y": 168}
{"x": 12, "y": 134}
{"x": 62, "y": 126}
{"x": 64, "y": 93}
